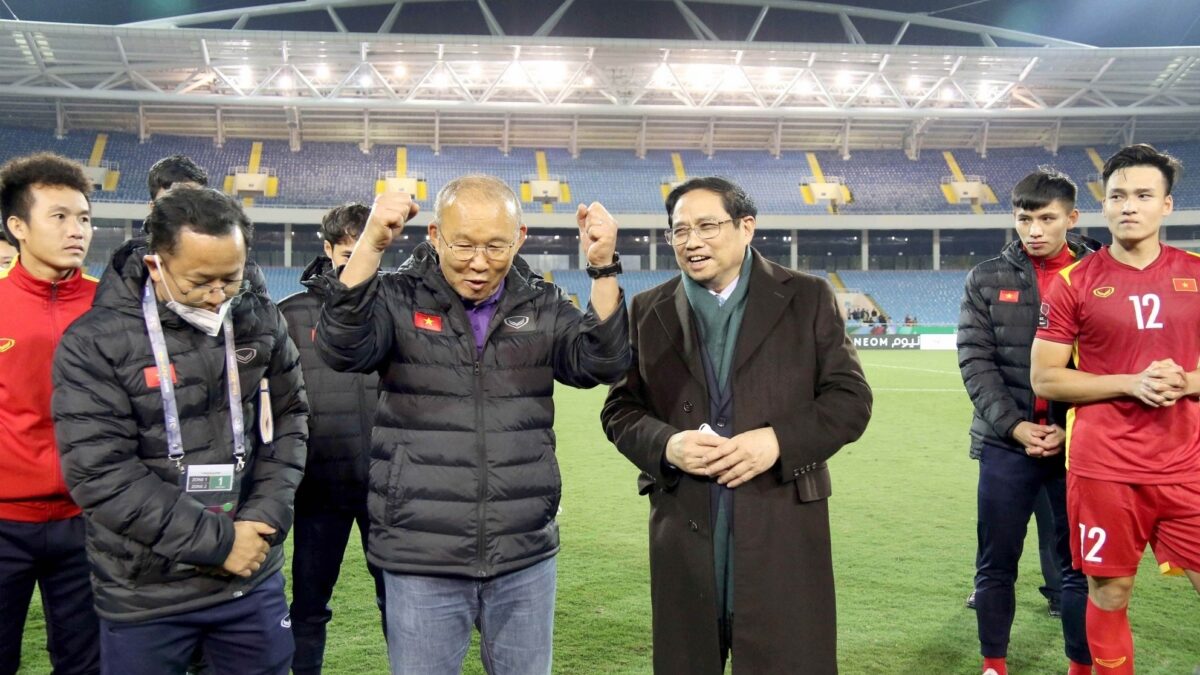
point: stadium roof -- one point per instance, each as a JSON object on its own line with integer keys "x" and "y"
{"x": 344, "y": 73}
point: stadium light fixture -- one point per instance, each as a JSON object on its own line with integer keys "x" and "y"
{"x": 440, "y": 79}
{"x": 285, "y": 81}
{"x": 399, "y": 70}
{"x": 475, "y": 70}
{"x": 365, "y": 80}
{"x": 843, "y": 79}
{"x": 914, "y": 84}
{"x": 322, "y": 71}
{"x": 947, "y": 93}
{"x": 589, "y": 81}
{"x": 875, "y": 90}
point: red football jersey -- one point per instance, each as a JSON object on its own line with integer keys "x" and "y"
{"x": 1120, "y": 319}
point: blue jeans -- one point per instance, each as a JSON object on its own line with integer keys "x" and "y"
{"x": 250, "y": 635}
{"x": 429, "y": 621}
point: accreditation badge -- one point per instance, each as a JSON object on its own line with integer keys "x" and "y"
{"x": 216, "y": 486}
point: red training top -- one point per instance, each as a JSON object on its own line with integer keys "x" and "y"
{"x": 33, "y": 316}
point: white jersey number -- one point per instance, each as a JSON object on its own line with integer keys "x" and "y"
{"x": 1150, "y": 302}
{"x": 1097, "y": 535}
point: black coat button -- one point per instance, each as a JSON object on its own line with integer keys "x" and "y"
{"x": 692, "y": 524}
{"x": 688, "y": 407}
{"x": 721, "y": 422}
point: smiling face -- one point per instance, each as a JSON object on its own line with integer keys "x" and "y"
{"x": 1135, "y": 204}
{"x": 475, "y": 219}
{"x": 1043, "y": 231}
{"x": 712, "y": 263}
{"x": 55, "y": 239}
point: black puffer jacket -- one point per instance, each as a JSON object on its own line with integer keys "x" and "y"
{"x": 994, "y": 341}
{"x": 463, "y": 477}
{"x": 154, "y": 550}
{"x": 342, "y": 407}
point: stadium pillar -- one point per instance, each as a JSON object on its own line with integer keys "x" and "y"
{"x": 794, "y": 252}
{"x": 937, "y": 249}
{"x": 653, "y": 249}
{"x": 287, "y": 245}
{"x": 865, "y": 251}
{"x": 582, "y": 255}
{"x": 128, "y": 230}
{"x": 1007, "y": 236}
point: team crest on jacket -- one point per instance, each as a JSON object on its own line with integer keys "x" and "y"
{"x": 1103, "y": 291}
{"x": 7, "y": 344}
{"x": 1044, "y": 315}
{"x": 245, "y": 355}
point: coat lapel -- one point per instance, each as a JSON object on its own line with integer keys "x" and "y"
{"x": 675, "y": 314}
{"x": 766, "y": 299}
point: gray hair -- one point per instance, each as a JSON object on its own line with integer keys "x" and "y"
{"x": 477, "y": 185}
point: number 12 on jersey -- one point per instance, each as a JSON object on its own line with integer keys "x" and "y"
{"x": 1148, "y": 302}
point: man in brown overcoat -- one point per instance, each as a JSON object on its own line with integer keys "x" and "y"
{"x": 757, "y": 355}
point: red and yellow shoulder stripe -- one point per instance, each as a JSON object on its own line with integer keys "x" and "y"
{"x": 1065, "y": 272}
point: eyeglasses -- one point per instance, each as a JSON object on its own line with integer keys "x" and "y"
{"x": 464, "y": 252}
{"x": 678, "y": 236}
{"x": 199, "y": 293}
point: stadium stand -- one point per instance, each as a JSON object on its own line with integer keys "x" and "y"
{"x": 324, "y": 174}
{"x": 933, "y": 297}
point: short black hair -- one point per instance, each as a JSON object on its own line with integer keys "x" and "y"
{"x": 1042, "y": 188}
{"x": 18, "y": 177}
{"x": 174, "y": 169}
{"x": 201, "y": 210}
{"x": 1143, "y": 154}
{"x": 345, "y": 221}
{"x": 737, "y": 203}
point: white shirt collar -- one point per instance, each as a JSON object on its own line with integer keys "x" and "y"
{"x": 724, "y": 295}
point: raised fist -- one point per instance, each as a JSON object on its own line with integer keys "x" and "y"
{"x": 598, "y": 232}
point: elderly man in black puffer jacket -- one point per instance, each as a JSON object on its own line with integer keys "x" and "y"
{"x": 187, "y": 498}
{"x": 333, "y": 495}
{"x": 464, "y": 485}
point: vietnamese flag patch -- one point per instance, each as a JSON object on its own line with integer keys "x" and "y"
{"x": 152, "y": 379}
{"x": 425, "y": 321}
{"x": 1010, "y": 296}
{"x": 1184, "y": 285}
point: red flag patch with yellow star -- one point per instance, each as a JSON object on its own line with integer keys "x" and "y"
{"x": 431, "y": 322}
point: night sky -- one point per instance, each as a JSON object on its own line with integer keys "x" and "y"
{"x": 1104, "y": 23}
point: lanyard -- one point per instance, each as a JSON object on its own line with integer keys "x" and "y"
{"x": 167, "y": 386}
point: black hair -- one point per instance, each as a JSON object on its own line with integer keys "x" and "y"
{"x": 737, "y": 203}
{"x": 345, "y": 221}
{"x": 18, "y": 177}
{"x": 1144, "y": 155}
{"x": 201, "y": 210}
{"x": 1042, "y": 188}
{"x": 174, "y": 169}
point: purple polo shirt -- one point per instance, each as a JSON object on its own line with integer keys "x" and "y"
{"x": 480, "y": 314}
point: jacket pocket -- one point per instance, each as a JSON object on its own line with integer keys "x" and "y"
{"x": 395, "y": 485}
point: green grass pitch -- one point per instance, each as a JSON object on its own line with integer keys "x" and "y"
{"x": 903, "y": 517}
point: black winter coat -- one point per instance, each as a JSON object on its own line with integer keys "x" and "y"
{"x": 463, "y": 476}
{"x": 994, "y": 341}
{"x": 342, "y": 406}
{"x": 154, "y": 550}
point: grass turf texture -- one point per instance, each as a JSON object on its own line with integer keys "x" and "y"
{"x": 903, "y": 516}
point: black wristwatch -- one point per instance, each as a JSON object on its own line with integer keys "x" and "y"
{"x": 606, "y": 271}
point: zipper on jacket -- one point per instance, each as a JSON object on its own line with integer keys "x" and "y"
{"x": 481, "y": 445}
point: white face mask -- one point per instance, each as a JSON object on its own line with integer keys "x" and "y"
{"x": 204, "y": 320}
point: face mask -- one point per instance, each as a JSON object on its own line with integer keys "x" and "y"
{"x": 203, "y": 320}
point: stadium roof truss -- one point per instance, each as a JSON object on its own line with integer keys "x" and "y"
{"x": 546, "y": 91}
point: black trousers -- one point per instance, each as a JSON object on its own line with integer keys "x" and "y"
{"x": 319, "y": 544}
{"x": 1009, "y": 483}
{"x": 51, "y": 556}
